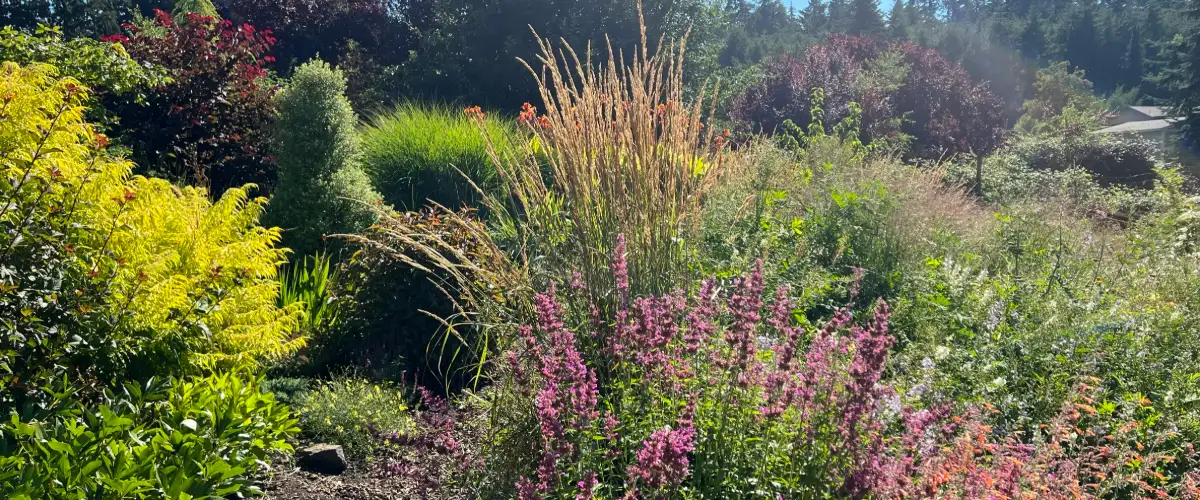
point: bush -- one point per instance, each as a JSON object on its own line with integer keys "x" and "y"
{"x": 200, "y": 438}
{"x": 900, "y": 87}
{"x": 106, "y": 276}
{"x": 399, "y": 315}
{"x": 413, "y": 151}
{"x": 1113, "y": 160}
{"x": 207, "y": 125}
{"x": 289, "y": 391}
{"x": 321, "y": 189}
{"x": 354, "y": 412}
{"x": 724, "y": 395}
{"x": 103, "y": 66}
{"x": 1010, "y": 180}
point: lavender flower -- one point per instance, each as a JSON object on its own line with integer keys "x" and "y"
{"x": 700, "y": 318}
{"x": 745, "y": 305}
{"x": 861, "y": 435}
{"x": 567, "y": 400}
{"x": 586, "y": 486}
{"x": 663, "y": 460}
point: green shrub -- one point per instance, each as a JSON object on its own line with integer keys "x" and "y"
{"x": 413, "y": 151}
{"x": 104, "y": 276}
{"x": 352, "y": 412}
{"x": 1025, "y": 174}
{"x": 200, "y": 438}
{"x": 289, "y": 391}
{"x": 1112, "y": 160}
{"x": 104, "y": 67}
{"x": 321, "y": 189}
{"x": 391, "y": 300}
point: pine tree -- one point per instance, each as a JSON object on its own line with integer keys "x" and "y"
{"x": 1153, "y": 33}
{"x": 1183, "y": 80}
{"x": 737, "y": 45}
{"x": 865, "y": 19}
{"x": 770, "y": 17}
{"x": 1080, "y": 44}
{"x": 1133, "y": 68}
{"x": 839, "y": 16}
{"x": 814, "y": 19}
{"x": 739, "y": 10}
{"x": 1107, "y": 56}
{"x": 916, "y": 22}
{"x": 898, "y": 21}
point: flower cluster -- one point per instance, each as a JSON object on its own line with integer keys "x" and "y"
{"x": 699, "y": 389}
{"x": 566, "y": 403}
{"x": 475, "y": 112}
{"x": 663, "y": 460}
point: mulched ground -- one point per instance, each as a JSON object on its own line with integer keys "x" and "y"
{"x": 295, "y": 484}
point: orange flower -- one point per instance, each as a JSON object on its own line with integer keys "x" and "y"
{"x": 475, "y": 112}
{"x": 528, "y": 113}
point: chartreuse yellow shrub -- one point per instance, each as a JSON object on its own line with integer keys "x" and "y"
{"x": 186, "y": 259}
{"x": 103, "y": 273}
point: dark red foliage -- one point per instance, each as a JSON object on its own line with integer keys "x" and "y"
{"x": 944, "y": 110}
{"x": 949, "y": 112}
{"x": 785, "y": 90}
{"x": 383, "y": 30}
{"x": 207, "y": 126}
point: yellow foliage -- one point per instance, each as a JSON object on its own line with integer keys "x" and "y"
{"x": 168, "y": 259}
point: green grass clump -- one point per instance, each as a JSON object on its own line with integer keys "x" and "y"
{"x": 414, "y": 154}
{"x": 344, "y": 411}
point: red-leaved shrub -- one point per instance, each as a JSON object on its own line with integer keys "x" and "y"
{"x": 207, "y": 125}
{"x": 936, "y": 102}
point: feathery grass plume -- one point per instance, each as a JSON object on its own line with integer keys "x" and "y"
{"x": 487, "y": 290}
{"x": 617, "y": 151}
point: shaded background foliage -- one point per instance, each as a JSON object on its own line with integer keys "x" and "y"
{"x": 207, "y": 126}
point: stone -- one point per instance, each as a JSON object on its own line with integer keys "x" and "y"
{"x": 322, "y": 459}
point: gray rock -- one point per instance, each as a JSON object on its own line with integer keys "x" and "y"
{"x": 323, "y": 459}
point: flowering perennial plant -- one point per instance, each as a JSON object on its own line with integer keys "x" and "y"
{"x": 723, "y": 394}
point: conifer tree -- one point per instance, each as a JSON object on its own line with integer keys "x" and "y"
{"x": 1133, "y": 67}
{"x": 898, "y": 21}
{"x": 864, "y": 18}
{"x": 322, "y": 189}
{"x": 814, "y": 19}
{"x": 839, "y": 16}
{"x": 1080, "y": 41}
{"x": 1183, "y": 80}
